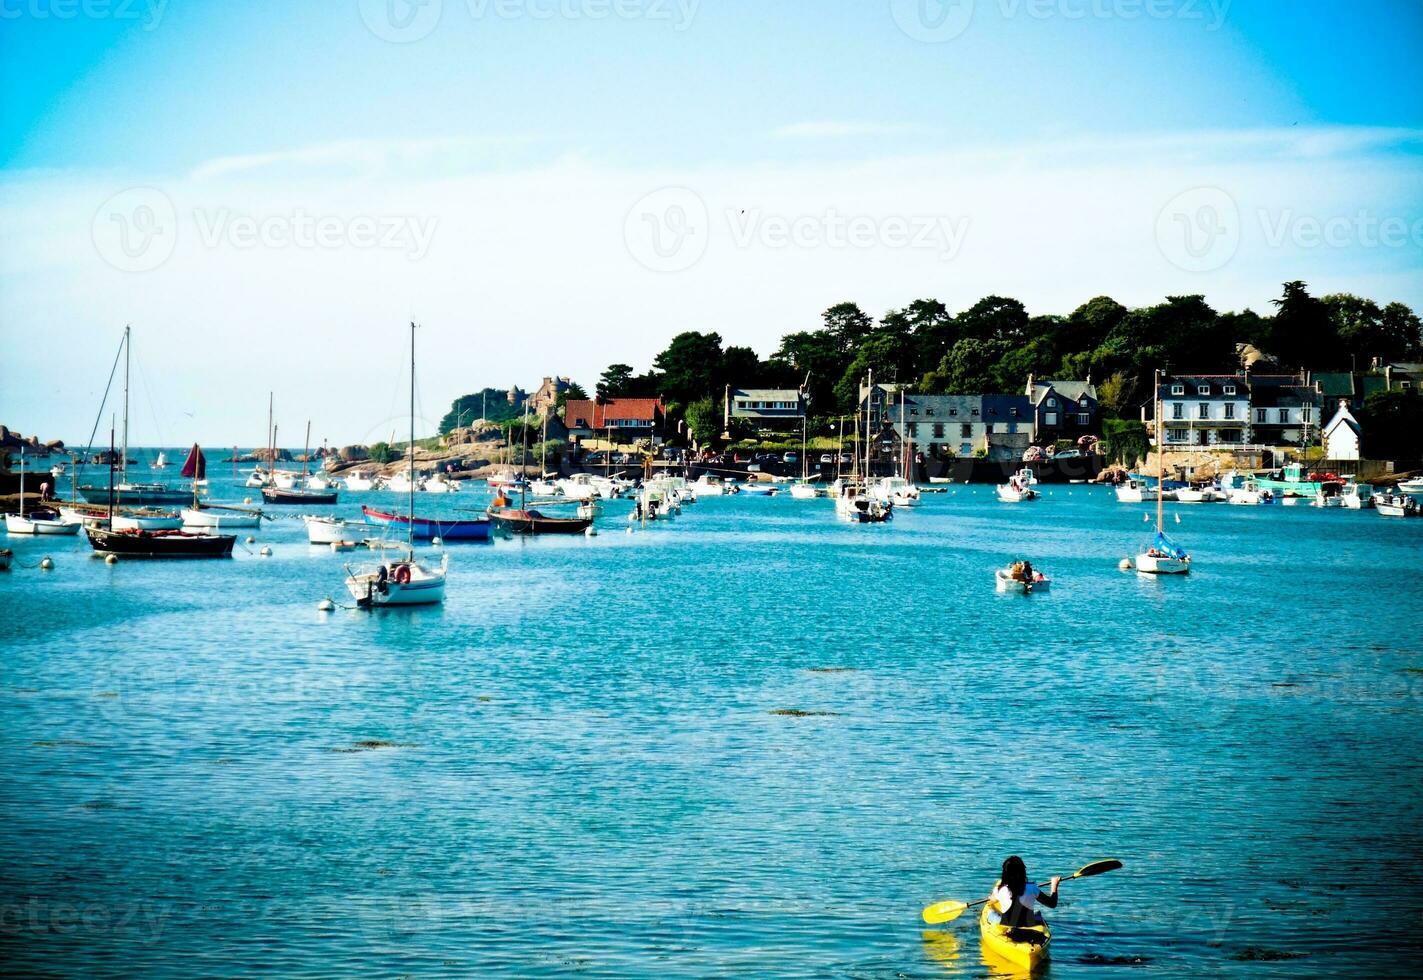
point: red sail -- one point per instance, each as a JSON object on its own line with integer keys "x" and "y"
{"x": 196, "y": 468}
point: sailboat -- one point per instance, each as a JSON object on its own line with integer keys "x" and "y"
{"x": 41, "y": 521}
{"x": 521, "y": 520}
{"x": 407, "y": 581}
{"x": 126, "y": 492}
{"x": 142, "y": 543}
{"x": 1163, "y": 556}
{"x": 805, "y": 489}
{"x": 212, "y": 515}
{"x": 297, "y": 493}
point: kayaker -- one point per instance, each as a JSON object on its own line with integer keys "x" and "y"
{"x": 1016, "y": 898}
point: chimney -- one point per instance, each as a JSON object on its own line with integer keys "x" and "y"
{"x": 1029, "y": 392}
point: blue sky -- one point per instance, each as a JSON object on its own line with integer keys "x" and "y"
{"x": 505, "y": 151}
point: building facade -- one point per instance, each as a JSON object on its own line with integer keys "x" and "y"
{"x": 1342, "y": 435}
{"x": 1064, "y": 409}
{"x": 619, "y": 419}
{"x": 1226, "y": 410}
{"x": 950, "y": 425}
{"x": 765, "y": 407}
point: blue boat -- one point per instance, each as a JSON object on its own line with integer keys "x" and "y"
{"x": 425, "y": 528}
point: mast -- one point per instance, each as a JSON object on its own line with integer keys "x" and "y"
{"x": 306, "y": 452}
{"x": 839, "y": 444}
{"x": 123, "y": 462}
{"x": 111, "y": 473}
{"x": 1160, "y": 454}
{"x": 804, "y": 463}
{"x": 904, "y": 431}
{"x": 271, "y": 439}
{"x": 22, "y": 478}
{"x": 869, "y": 413}
{"x": 524, "y": 463}
{"x": 410, "y": 509}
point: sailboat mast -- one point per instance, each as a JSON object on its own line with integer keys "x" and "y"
{"x": 524, "y": 463}
{"x": 271, "y": 437}
{"x": 869, "y": 412}
{"x": 410, "y": 508}
{"x": 306, "y": 451}
{"x": 1160, "y": 456}
{"x": 123, "y": 460}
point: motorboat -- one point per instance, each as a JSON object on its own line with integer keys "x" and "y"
{"x": 1018, "y": 489}
{"x": 856, "y": 504}
{"x": 425, "y": 528}
{"x": 1132, "y": 491}
{"x": 403, "y": 582}
{"x": 221, "y": 516}
{"x": 146, "y": 520}
{"x": 358, "y": 481}
{"x": 1249, "y": 494}
{"x": 1357, "y": 496}
{"x": 326, "y": 530}
{"x": 41, "y": 521}
{"x": 708, "y": 485}
{"x": 438, "y": 484}
{"x": 1393, "y": 505}
{"x": 1020, "y": 577}
{"x": 897, "y": 491}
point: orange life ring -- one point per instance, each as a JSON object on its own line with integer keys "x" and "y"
{"x": 402, "y": 574}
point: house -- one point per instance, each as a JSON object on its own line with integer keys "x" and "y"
{"x": 1350, "y": 386}
{"x": 1064, "y": 409}
{"x": 545, "y": 400}
{"x": 621, "y": 419}
{"x": 765, "y": 407}
{"x": 1282, "y": 410}
{"x": 1341, "y": 435}
{"x": 951, "y": 425}
{"x": 1202, "y": 409}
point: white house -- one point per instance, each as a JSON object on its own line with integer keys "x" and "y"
{"x": 1341, "y": 435}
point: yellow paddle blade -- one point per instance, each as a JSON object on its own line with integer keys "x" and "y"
{"x": 945, "y": 911}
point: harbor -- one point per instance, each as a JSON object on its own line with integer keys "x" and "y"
{"x": 583, "y": 758}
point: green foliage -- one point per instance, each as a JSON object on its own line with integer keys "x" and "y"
{"x": 616, "y": 382}
{"x": 382, "y": 453}
{"x": 704, "y": 417}
{"x": 574, "y": 391}
{"x": 1391, "y": 423}
{"x": 1124, "y": 441}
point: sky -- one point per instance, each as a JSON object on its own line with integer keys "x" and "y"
{"x": 270, "y": 192}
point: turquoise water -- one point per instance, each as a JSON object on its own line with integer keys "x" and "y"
{"x": 586, "y": 775}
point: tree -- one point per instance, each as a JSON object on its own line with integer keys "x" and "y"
{"x": 883, "y": 352}
{"x": 814, "y": 353}
{"x": 490, "y": 403}
{"x": 1092, "y": 323}
{"x": 1124, "y": 441}
{"x": 847, "y": 325}
{"x": 574, "y": 391}
{"x": 382, "y": 453}
{"x": 1391, "y": 425}
{"x": 704, "y": 418}
{"x": 1302, "y": 333}
{"x": 690, "y": 366}
{"x": 993, "y": 318}
{"x": 616, "y": 382}
{"x": 967, "y": 369}
{"x": 1117, "y": 395}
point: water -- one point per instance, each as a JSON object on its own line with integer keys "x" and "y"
{"x": 574, "y": 766}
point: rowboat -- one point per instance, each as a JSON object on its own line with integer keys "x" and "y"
{"x": 533, "y": 522}
{"x": 1007, "y": 581}
{"x": 216, "y": 515}
{"x": 276, "y": 495}
{"x": 39, "y": 522}
{"x": 1025, "y": 947}
{"x": 327, "y": 530}
{"x": 146, "y": 520}
{"x": 425, "y": 528}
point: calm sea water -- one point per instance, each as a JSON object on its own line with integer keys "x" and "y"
{"x": 575, "y": 766}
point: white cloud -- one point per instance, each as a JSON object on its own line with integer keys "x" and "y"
{"x": 831, "y": 129}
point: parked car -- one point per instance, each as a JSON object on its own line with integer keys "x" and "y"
{"x": 1072, "y": 453}
{"x": 826, "y": 459}
{"x": 845, "y": 459}
{"x": 792, "y": 458}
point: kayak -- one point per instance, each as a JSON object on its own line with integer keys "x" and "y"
{"x": 1025, "y": 947}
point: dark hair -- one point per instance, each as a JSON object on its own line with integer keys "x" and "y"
{"x": 1015, "y": 876}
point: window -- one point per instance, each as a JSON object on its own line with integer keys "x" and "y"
{"x": 1084, "y": 418}
{"x": 966, "y": 430}
{"x": 1013, "y": 412}
{"x": 1262, "y": 415}
{"x": 1405, "y": 385}
{"x": 1229, "y": 410}
{"x": 928, "y": 411}
{"x": 965, "y": 449}
{"x": 913, "y": 430}
{"x": 1082, "y": 402}
{"x": 914, "y": 411}
{"x": 1012, "y": 426}
{"x": 1305, "y": 412}
{"x": 1177, "y": 435}
{"x": 1203, "y": 410}
{"x": 1203, "y": 389}
{"x": 1178, "y": 389}
{"x": 938, "y": 430}
{"x": 1178, "y": 410}
{"x": 1229, "y": 389}
{"x": 1284, "y": 415}
{"x": 1052, "y": 403}
{"x": 953, "y": 411}
{"x": 973, "y": 412}
{"x": 1228, "y": 435}
{"x": 1050, "y": 418}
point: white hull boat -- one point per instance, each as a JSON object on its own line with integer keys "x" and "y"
{"x": 407, "y": 582}
{"x": 1196, "y": 495}
{"x": 438, "y": 484}
{"x": 1160, "y": 564}
{"x": 330, "y": 530}
{"x": 147, "y": 522}
{"x": 1357, "y": 496}
{"x": 1131, "y": 492}
{"x": 897, "y": 491}
{"x": 545, "y": 488}
{"x": 708, "y": 486}
{"x": 220, "y": 517}
{"x": 1005, "y": 581}
{"x": 319, "y": 481}
{"x": 16, "y": 524}
{"x": 804, "y": 491}
{"x": 400, "y": 483}
{"x": 85, "y": 516}
{"x": 359, "y": 482}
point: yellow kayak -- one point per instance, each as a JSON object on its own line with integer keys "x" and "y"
{"x": 1025, "y": 947}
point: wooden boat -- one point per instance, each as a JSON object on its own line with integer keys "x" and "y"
{"x": 276, "y": 495}
{"x": 425, "y": 528}
{"x": 160, "y": 544}
{"x": 327, "y": 530}
{"x": 42, "y": 520}
{"x": 146, "y": 520}
{"x": 519, "y": 521}
{"x": 219, "y": 515}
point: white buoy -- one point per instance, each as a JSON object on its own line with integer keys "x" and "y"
{"x": 1178, "y": 518}
{"x": 46, "y": 563}
{"x": 436, "y": 542}
{"x": 251, "y": 540}
{"x": 629, "y": 530}
{"x": 326, "y": 605}
{"x": 1124, "y": 564}
{"x": 1145, "y": 518}
{"x": 591, "y": 531}
{"x": 247, "y": 500}
{"x": 265, "y": 552}
{"x": 111, "y": 559}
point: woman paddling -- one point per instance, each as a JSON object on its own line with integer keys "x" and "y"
{"x": 1015, "y": 898}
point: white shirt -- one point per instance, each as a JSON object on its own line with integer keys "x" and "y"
{"x": 1004, "y": 898}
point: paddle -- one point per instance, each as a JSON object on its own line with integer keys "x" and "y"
{"x": 949, "y": 910}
